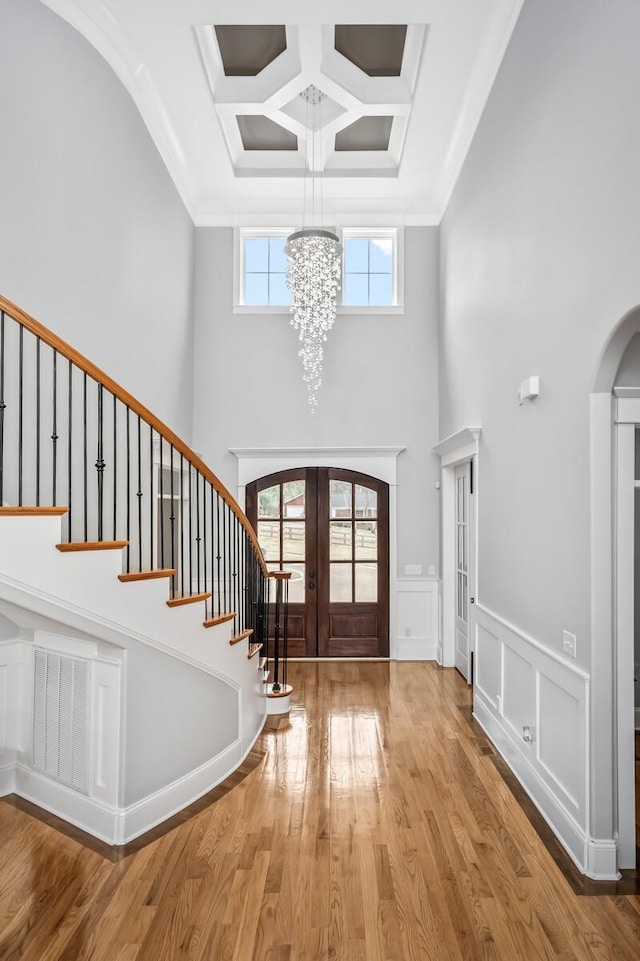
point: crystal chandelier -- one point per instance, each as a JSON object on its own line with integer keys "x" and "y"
{"x": 313, "y": 275}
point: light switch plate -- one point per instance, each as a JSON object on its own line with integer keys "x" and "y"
{"x": 569, "y": 643}
{"x": 410, "y": 569}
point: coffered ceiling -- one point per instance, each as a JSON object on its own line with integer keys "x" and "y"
{"x": 247, "y": 101}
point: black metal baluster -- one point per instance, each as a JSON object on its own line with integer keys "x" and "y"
{"x": 69, "y": 451}
{"x": 190, "y": 531}
{"x": 218, "y": 554}
{"x": 234, "y": 560}
{"x": 152, "y": 564}
{"x": 128, "y": 493}
{"x": 100, "y": 465}
{"x": 182, "y": 526}
{"x": 54, "y": 434}
{"x": 139, "y": 494}
{"x": 161, "y": 511}
{"x": 20, "y": 410}
{"x": 224, "y": 556}
{"x": 2, "y": 405}
{"x": 172, "y": 519}
{"x": 86, "y": 459}
{"x": 115, "y": 468}
{"x": 37, "y": 427}
{"x": 204, "y": 530}
{"x": 197, "y": 530}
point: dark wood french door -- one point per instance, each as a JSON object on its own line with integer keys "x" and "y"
{"x": 330, "y": 528}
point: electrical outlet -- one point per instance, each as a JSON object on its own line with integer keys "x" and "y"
{"x": 569, "y": 643}
{"x": 432, "y": 570}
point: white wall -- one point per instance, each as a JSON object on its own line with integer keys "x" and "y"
{"x": 538, "y": 265}
{"x": 539, "y": 261}
{"x": 380, "y": 383}
{"x": 94, "y": 239}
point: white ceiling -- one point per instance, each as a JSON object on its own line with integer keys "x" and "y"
{"x": 165, "y": 53}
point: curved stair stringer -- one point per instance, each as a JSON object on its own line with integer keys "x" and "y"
{"x": 80, "y": 594}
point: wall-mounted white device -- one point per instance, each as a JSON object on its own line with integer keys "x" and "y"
{"x": 529, "y": 389}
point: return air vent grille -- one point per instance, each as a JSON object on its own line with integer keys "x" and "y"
{"x": 60, "y": 718}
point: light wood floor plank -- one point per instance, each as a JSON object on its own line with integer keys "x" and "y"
{"x": 378, "y": 826}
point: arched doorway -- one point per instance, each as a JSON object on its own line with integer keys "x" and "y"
{"x": 330, "y": 527}
{"x": 615, "y": 419}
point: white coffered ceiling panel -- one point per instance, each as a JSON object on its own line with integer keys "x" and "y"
{"x": 170, "y": 57}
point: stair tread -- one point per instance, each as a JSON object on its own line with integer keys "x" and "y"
{"x": 241, "y": 636}
{"x": 219, "y": 619}
{"x": 146, "y": 575}
{"x": 254, "y": 649}
{"x": 188, "y": 599}
{"x": 92, "y": 546}
{"x": 32, "y": 510}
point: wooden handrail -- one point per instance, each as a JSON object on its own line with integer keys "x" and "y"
{"x": 70, "y": 353}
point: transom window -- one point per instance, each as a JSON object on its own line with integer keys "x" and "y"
{"x": 371, "y": 270}
{"x": 264, "y": 267}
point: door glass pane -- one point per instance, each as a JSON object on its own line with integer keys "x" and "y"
{"x": 464, "y": 498}
{"x": 340, "y": 583}
{"x": 293, "y": 540}
{"x": 366, "y": 541}
{"x": 269, "y": 502}
{"x": 296, "y": 583}
{"x": 340, "y": 541}
{"x": 269, "y": 539}
{"x": 465, "y": 538}
{"x": 459, "y": 547}
{"x": 293, "y": 498}
{"x": 366, "y": 502}
{"x": 464, "y": 597}
{"x": 459, "y": 496}
{"x": 340, "y": 498}
{"x": 366, "y": 583}
{"x": 459, "y": 595}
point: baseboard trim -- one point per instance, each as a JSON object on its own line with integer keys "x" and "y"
{"x": 143, "y": 815}
{"x": 119, "y": 826}
{"x": 416, "y": 649}
{"x": 595, "y": 858}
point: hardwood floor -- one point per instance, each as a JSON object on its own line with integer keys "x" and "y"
{"x": 377, "y": 827}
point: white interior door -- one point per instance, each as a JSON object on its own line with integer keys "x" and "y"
{"x": 462, "y": 559}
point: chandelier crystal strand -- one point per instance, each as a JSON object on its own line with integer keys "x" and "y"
{"x": 313, "y": 277}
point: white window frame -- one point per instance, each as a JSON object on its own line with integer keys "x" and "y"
{"x": 240, "y": 234}
{"x": 395, "y": 233}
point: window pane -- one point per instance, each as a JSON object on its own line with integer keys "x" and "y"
{"x": 269, "y": 502}
{"x": 355, "y": 292}
{"x": 279, "y": 293}
{"x": 381, "y": 255}
{"x": 366, "y": 541}
{"x": 366, "y": 502}
{"x": 269, "y": 539}
{"x": 256, "y": 289}
{"x": 366, "y": 583}
{"x": 340, "y": 541}
{"x": 272, "y": 583}
{"x": 380, "y": 290}
{"x": 356, "y": 255}
{"x": 340, "y": 498}
{"x": 293, "y": 495}
{"x": 340, "y": 584}
{"x": 256, "y": 255}
{"x": 277, "y": 256}
{"x": 293, "y": 540}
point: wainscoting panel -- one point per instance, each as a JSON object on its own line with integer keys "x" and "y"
{"x": 533, "y": 703}
{"x": 488, "y": 664}
{"x": 417, "y": 619}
